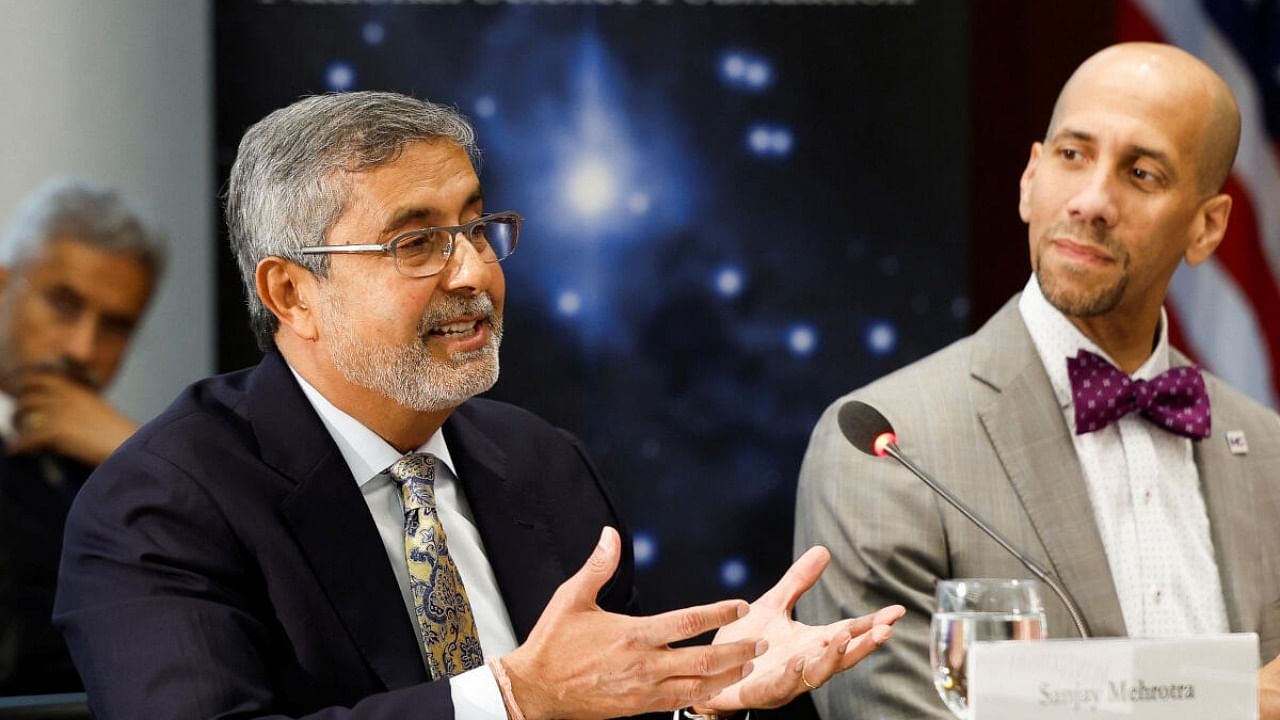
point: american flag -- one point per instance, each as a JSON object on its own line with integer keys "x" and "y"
{"x": 1226, "y": 312}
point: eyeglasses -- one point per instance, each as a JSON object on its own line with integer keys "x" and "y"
{"x": 425, "y": 251}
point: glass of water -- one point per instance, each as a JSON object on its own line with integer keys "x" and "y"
{"x": 970, "y": 610}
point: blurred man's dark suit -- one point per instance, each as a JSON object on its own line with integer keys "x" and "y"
{"x": 35, "y": 495}
{"x": 250, "y": 578}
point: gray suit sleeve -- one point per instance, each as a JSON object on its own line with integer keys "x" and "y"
{"x": 888, "y": 546}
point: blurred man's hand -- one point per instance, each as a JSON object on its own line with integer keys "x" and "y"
{"x": 63, "y": 416}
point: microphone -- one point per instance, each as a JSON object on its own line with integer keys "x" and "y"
{"x": 866, "y": 429}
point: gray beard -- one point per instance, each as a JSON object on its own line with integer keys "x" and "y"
{"x": 408, "y": 374}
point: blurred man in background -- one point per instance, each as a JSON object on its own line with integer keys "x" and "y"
{"x": 77, "y": 268}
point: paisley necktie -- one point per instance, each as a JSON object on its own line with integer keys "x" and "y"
{"x": 447, "y": 625}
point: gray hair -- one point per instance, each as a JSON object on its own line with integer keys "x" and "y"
{"x": 85, "y": 212}
{"x": 291, "y": 179}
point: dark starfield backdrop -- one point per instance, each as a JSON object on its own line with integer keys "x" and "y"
{"x": 734, "y": 215}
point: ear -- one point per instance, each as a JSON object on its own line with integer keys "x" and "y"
{"x": 1208, "y": 229}
{"x": 288, "y": 291}
{"x": 1024, "y": 185}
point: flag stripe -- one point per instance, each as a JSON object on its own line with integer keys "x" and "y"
{"x": 1218, "y": 310}
{"x": 1183, "y": 23}
{"x": 1241, "y": 255}
{"x": 1252, "y": 29}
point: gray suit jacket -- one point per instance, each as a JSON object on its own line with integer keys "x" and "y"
{"x": 981, "y": 416}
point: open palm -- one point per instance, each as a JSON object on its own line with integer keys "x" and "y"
{"x": 797, "y": 653}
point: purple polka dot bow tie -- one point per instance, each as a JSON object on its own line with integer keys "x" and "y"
{"x": 1175, "y": 400}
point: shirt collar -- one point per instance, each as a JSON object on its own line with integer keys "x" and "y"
{"x": 1056, "y": 338}
{"x": 366, "y": 453}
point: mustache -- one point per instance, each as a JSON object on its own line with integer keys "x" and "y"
{"x": 1092, "y": 233}
{"x": 454, "y": 306}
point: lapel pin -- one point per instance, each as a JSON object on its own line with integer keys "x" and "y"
{"x": 1237, "y": 443}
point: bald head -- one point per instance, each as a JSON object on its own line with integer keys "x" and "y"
{"x": 1189, "y": 89}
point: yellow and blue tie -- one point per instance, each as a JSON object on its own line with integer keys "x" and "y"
{"x": 448, "y": 628}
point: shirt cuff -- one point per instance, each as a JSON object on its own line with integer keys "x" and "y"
{"x": 476, "y": 696}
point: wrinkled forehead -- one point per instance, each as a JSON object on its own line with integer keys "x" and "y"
{"x": 427, "y": 183}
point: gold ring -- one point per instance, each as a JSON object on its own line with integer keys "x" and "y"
{"x": 805, "y": 680}
{"x": 32, "y": 421}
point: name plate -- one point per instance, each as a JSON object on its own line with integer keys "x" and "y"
{"x": 1212, "y": 676}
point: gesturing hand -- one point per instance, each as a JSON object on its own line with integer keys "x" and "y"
{"x": 797, "y": 653}
{"x": 583, "y": 662}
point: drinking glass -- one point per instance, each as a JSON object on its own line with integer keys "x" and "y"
{"x": 970, "y": 610}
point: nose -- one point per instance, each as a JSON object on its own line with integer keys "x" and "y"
{"x": 1095, "y": 202}
{"x": 82, "y": 339}
{"x": 465, "y": 271}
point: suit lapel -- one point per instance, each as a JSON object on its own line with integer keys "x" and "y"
{"x": 330, "y": 521}
{"x": 1025, "y": 424}
{"x": 513, "y": 524}
{"x": 1230, "y": 504}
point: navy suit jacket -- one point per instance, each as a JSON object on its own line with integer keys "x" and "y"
{"x": 223, "y": 563}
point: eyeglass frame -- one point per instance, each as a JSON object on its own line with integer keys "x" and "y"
{"x": 389, "y": 247}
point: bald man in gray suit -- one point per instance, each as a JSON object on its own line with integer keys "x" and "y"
{"x": 1157, "y": 528}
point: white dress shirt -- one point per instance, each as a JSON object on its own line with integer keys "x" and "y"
{"x": 475, "y": 693}
{"x": 1145, "y": 491}
{"x": 8, "y": 406}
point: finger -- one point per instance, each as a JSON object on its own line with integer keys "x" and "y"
{"x": 887, "y": 615}
{"x": 40, "y": 396}
{"x": 27, "y": 417}
{"x": 708, "y": 660}
{"x": 46, "y": 415}
{"x": 864, "y": 644}
{"x": 42, "y": 380}
{"x": 687, "y": 691}
{"x": 29, "y": 395}
{"x": 677, "y": 625}
{"x": 817, "y": 670}
{"x": 801, "y": 576}
{"x": 582, "y": 589}
{"x": 36, "y": 417}
{"x": 29, "y": 441}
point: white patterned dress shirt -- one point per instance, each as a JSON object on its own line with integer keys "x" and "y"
{"x": 1145, "y": 491}
{"x": 475, "y": 693}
